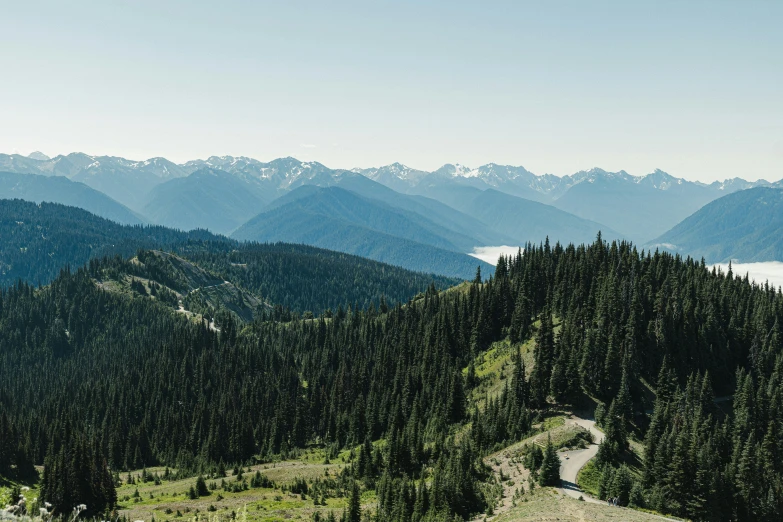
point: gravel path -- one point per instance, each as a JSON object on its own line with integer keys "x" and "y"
{"x": 572, "y": 461}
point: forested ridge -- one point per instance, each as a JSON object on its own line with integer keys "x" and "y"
{"x": 147, "y": 386}
{"x": 743, "y": 226}
{"x": 304, "y": 278}
{"x": 40, "y": 239}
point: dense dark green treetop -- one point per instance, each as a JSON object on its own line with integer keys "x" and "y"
{"x": 152, "y": 387}
{"x": 38, "y": 239}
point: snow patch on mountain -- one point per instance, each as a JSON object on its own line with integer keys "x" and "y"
{"x": 286, "y": 173}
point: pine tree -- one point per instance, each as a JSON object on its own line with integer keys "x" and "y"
{"x": 543, "y": 354}
{"x": 623, "y": 402}
{"x": 456, "y": 400}
{"x": 520, "y": 319}
{"x": 201, "y": 487}
{"x": 354, "y": 512}
{"x": 550, "y": 466}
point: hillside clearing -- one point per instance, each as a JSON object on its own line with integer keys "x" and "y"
{"x": 545, "y": 504}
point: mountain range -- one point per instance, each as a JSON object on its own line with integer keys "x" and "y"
{"x": 341, "y": 220}
{"x": 208, "y": 198}
{"x": 638, "y": 207}
{"x": 393, "y": 213}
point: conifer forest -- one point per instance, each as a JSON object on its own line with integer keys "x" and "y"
{"x": 683, "y": 359}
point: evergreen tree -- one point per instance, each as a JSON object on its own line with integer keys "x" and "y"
{"x": 201, "y": 486}
{"x": 542, "y": 370}
{"x": 354, "y": 513}
{"x": 550, "y": 466}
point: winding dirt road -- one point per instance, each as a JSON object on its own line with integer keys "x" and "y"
{"x": 572, "y": 461}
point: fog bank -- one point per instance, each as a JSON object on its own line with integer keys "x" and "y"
{"x": 490, "y": 254}
{"x": 771, "y": 271}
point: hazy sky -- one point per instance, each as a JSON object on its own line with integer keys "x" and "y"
{"x": 694, "y": 88}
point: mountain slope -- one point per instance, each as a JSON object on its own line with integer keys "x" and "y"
{"x": 275, "y": 177}
{"x": 373, "y": 214}
{"x": 432, "y": 209}
{"x": 455, "y": 195}
{"x": 38, "y": 155}
{"x": 639, "y": 209}
{"x": 178, "y": 283}
{"x": 746, "y": 226}
{"x": 208, "y": 198}
{"x": 517, "y": 181}
{"x": 40, "y": 239}
{"x": 248, "y": 279}
{"x": 296, "y": 226}
{"x": 57, "y": 189}
{"x": 126, "y": 181}
{"x": 520, "y": 219}
{"x": 302, "y": 277}
{"x": 533, "y": 221}
{"x": 339, "y": 220}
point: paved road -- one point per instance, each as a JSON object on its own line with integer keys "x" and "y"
{"x": 569, "y": 467}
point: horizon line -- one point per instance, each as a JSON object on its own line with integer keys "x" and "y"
{"x": 353, "y": 169}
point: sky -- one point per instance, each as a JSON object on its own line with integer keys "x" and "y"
{"x": 693, "y": 88}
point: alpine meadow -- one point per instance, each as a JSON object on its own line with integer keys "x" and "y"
{"x": 332, "y": 293}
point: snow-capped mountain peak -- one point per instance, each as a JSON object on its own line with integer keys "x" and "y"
{"x": 660, "y": 180}
{"x": 107, "y": 173}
